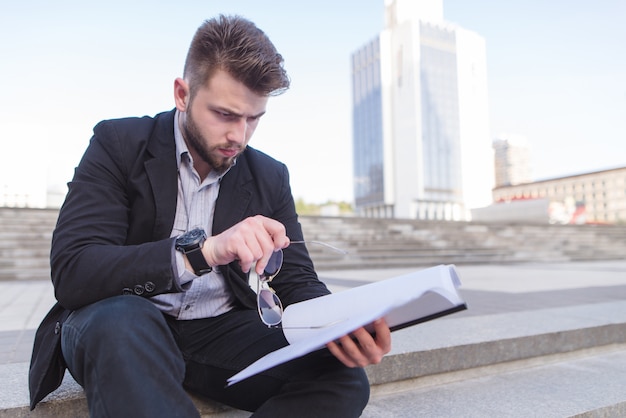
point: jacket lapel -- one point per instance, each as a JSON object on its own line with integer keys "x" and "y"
{"x": 162, "y": 174}
{"x": 234, "y": 197}
{"x": 231, "y": 207}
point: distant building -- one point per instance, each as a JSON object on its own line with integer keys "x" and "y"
{"x": 512, "y": 160}
{"x": 596, "y": 197}
{"x": 421, "y": 139}
{"x": 23, "y": 192}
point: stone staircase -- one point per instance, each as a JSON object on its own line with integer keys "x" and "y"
{"x": 25, "y": 236}
{"x": 376, "y": 243}
{"x": 371, "y": 243}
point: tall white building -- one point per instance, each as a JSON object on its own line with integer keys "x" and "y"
{"x": 421, "y": 138}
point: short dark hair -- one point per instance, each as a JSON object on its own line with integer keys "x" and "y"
{"x": 235, "y": 45}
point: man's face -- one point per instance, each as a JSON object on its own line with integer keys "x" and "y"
{"x": 218, "y": 123}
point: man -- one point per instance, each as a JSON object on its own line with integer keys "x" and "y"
{"x": 158, "y": 308}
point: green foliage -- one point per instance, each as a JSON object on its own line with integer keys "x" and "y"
{"x": 315, "y": 209}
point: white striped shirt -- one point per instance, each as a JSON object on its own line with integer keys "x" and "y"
{"x": 207, "y": 295}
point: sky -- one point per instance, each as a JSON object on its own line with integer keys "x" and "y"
{"x": 556, "y": 75}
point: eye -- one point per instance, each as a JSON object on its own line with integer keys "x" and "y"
{"x": 224, "y": 115}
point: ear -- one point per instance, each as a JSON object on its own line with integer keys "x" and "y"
{"x": 181, "y": 94}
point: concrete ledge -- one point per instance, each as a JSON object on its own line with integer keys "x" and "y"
{"x": 587, "y": 384}
{"x": 69, "y": 399}
{"x": 447, "y": 351}
{"x": 451, "y": 343}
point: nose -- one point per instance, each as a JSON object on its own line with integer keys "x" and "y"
{"x": 239, "y": 130}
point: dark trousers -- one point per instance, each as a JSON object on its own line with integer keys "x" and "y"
{"x": 133, "y": 361}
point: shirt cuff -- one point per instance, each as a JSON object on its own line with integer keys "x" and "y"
{"x": 183, "y": 276}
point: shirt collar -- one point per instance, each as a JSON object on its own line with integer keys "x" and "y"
{"x": 181, "y": 145}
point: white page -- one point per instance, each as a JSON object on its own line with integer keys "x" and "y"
{"x": 356, "y": 302}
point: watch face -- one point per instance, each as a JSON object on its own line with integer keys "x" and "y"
{"x": 195, "y": 236}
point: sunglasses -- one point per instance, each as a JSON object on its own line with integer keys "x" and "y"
{"x": 269, "y": 305}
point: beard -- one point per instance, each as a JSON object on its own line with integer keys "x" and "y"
{"x": 196, "y": 141}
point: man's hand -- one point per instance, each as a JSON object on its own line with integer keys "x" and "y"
{"x": 252, "y": 240}
{"x": 360, "y": 349}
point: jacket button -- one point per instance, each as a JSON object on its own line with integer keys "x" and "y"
{"x": 139, "y": 289}
{"x": 149, "y": 286}
{"x": 127, "y": 291}
{"x": 57, "y": 328}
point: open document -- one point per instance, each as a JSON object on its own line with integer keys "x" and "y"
{"x": 403, "y": 301}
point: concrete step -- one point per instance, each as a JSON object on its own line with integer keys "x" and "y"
{"x": 417, "y": 261}
{"x": 31, "y": 273}
{"x": 588, "y": 384}
{"x": 39, "y": 250}
{"x": 69, "y": 400}
{"x": 33, "y": 235}
{"x": 24, "y": 263}
{"x": 584, "y": 384}
{"x": 552, "y": 362}
{"x": 26, "y": 214}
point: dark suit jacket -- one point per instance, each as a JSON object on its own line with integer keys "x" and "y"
{"x": 112, "y": 235}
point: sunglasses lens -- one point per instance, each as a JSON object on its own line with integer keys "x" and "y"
{"x": 273, "y": 265}
{"x": 270, "y": 308}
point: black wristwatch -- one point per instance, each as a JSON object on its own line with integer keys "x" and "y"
{"x": 190, "y": 243}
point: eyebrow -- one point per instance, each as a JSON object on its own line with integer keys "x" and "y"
{"x": 226, "y": 110}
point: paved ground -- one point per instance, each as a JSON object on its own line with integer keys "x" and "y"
{"x": 487, "y": 289}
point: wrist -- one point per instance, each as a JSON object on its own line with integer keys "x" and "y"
{"x": 208, "y": 252}
{"x": 190, "y": 244}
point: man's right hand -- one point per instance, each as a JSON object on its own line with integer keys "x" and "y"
{"x": 252, "y": 240}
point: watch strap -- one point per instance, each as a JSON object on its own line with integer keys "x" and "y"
{"x": 198, "y": 262}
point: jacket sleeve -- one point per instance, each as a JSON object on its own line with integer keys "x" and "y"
{"x": 90, "y": 259}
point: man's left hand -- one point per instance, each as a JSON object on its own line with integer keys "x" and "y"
{"x": 360, "y": 348}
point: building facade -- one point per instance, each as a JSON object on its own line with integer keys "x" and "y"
{"x": 420, "y": 119}
{"x": 596, "y": 197}
{"x": 512, "y": 160}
